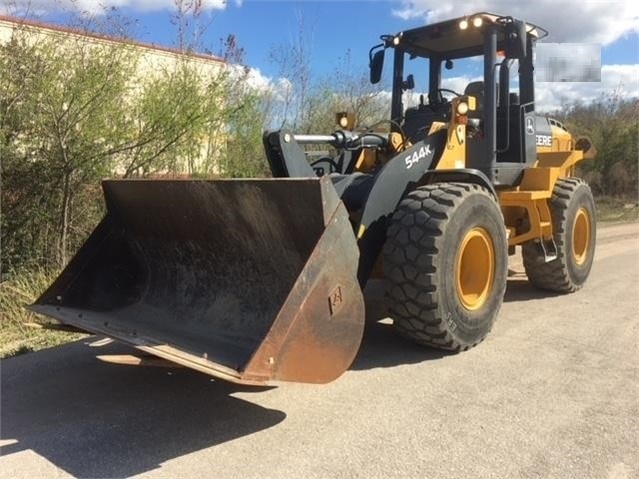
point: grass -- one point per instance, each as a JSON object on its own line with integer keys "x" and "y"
{"x": 16, "y": 336}
{"x": 617, "y": 210}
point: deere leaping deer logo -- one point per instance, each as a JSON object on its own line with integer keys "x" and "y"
{"x": 530, "y": 127}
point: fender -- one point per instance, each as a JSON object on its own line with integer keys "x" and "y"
{"x": 461, "y": 175}
{"x": 400, "y": 175}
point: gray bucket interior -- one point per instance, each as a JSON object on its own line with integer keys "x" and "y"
{"x": 204, "y": 266}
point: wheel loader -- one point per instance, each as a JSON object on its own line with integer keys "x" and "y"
{"x": 260, "y": 280}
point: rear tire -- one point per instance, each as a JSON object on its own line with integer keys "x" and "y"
{"x": 446, "y": 259}
{"x": 572, "y": 209}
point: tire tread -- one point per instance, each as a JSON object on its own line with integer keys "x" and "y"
{"x": 412, "y": 297}
{"x": 554, "y": 275}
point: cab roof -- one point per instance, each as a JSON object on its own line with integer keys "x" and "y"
{"x": 448, "y": 39}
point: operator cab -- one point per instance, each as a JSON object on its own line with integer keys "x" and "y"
{"x": 501, "y": 126}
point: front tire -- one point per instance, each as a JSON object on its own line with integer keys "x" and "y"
{"x": 446, "y": 262}
{"x": 572, "y": 209}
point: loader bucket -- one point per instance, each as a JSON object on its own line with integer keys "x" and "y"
{"x": 246, "y": 280}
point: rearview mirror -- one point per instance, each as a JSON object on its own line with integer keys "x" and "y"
{"x": 409, "y": 83}
{"x": 376, "y": 65}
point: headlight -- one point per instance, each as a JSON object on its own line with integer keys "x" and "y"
{"x": 477, "y": 21}
{"x": 462, "y": 108}
{"x": 343, "y": 121}
{"x": 396, "y": 40}
{"x": 463, "y": 25}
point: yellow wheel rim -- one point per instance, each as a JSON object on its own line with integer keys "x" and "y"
{"x": 475, "y": 269}
{"x": 581, "y": 236}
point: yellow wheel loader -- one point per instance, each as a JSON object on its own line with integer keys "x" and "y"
{"x": 261, "y": 280}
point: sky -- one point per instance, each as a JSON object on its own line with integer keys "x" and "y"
{"x": 329, "y": 29}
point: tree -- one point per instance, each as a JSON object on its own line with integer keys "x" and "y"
{"x": 612, "y": 123}
{"x": 293, "y": 61}
{"x": 347, "y": 88}
{"x": 308, "y": 105}
{"x": 62, "y": 108}
{"x": 74, "y": 112}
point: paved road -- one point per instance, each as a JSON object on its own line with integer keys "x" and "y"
{"x": 553, "y": 392}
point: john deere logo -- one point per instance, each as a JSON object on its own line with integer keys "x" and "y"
{"x": 530, "y": 127}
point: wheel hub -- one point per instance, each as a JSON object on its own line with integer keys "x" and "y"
{"x": 581, "y": 236}
{"x": 475, "y": 268}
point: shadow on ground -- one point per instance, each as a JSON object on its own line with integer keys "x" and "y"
{"x": 93, "y": 419}
{"x": 519, "y": 289}
{"x": 383, "y": 347}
